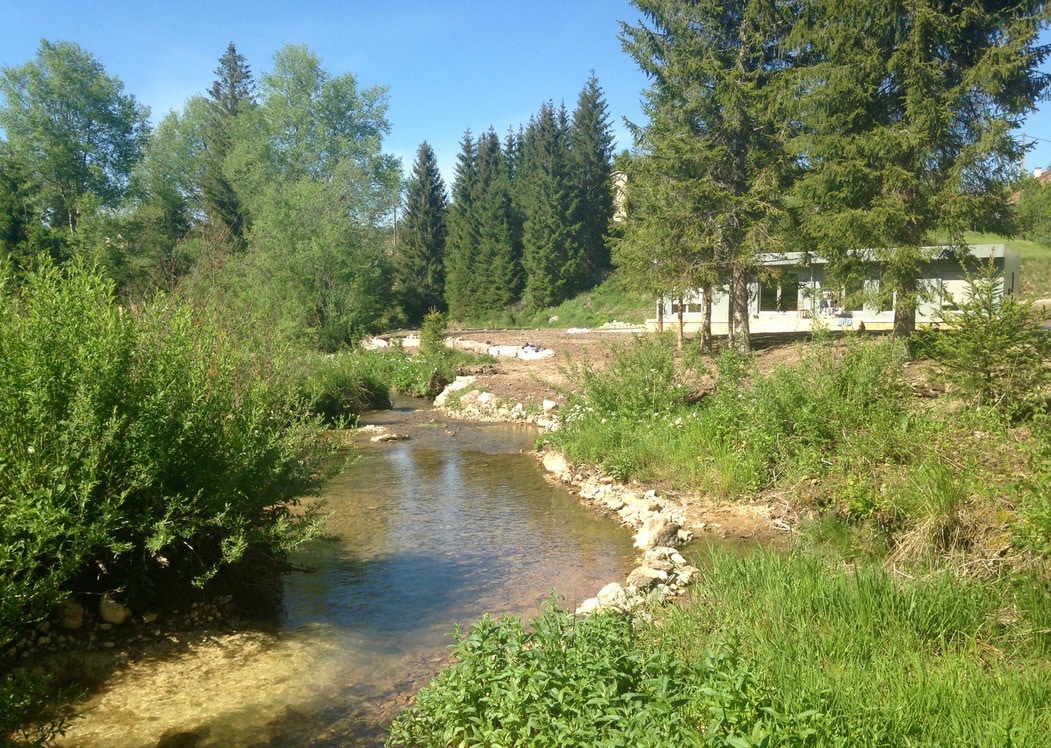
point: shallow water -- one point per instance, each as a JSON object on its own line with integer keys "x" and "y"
{"x": 428, "y": 533}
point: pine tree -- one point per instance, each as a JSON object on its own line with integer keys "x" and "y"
{"x": 907, "y": 126}
{"x": 419, "y": 280}
{"x": 708, "y": 196}
{"x": 496, "y": 270}
{"x": 230, "y": 94}
{"x": 463, "y": 231}
{"x": 591, "y": 142}
{"x": 551, "y": 253}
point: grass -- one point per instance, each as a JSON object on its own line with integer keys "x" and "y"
{"x": 875, "y": 659}
{"x": 771, "y": 650}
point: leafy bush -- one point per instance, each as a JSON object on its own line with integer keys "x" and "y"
{"x": 568, "y": 682}
{"x": 339, "y": 387}
{"x": 137, "y": 443}
{"x": 640, "y": 380}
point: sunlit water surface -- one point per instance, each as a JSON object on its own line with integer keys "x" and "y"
{"x": 428, "y": 533}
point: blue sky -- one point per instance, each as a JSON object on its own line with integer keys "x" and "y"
{"x": 449, "y": 65}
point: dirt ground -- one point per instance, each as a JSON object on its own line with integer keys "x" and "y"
{"x": 765, "y": 519}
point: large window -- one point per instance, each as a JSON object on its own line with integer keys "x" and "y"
{"x": 779, "y": 293}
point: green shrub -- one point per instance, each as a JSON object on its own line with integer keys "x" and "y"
{"x": 640, "y": 380}
{"x": 568, "y": 682}
{"x": 339, "y": 387}
{"x": 146, "y": 444}
{"x": 996, "y": 348}
{"x": 432, "y": 333}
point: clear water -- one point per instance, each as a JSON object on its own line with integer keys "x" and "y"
{"x": 455, "y": 523}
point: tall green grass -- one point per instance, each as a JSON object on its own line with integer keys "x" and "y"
{"x": 771, "y": 650}
{"x": 878, "y": 659}
{"x": 838, "y": 432}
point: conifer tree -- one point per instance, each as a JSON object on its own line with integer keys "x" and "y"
{"x": 551, "y": 253}
{"x": 231, "y": 93}
{"x": 463, "y": 231}
{"x": 907, "y": 123}
{"x": 419, "y": 281}
{"x": 591, "y": 142}
{"x": 496, "y": 263}
{"x": 708, "y": 197}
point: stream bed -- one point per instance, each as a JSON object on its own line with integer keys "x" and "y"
{"x": 425, "y": 534}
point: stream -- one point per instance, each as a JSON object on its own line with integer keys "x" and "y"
{"x": 424, "y": 534}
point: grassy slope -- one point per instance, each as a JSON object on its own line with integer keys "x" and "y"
{"x": 1036, "y": 262}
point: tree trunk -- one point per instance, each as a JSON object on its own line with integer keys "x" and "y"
{"x": 740, "y": 335}
{"x": 681, "y": 334}
{"x": 706, "y": 318}
{"x": 660, "y": 313}
{"x": 905, "y": 307}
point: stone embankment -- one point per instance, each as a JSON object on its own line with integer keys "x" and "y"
{"x": 656, "y": 521}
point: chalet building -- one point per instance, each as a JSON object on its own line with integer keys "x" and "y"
{"x": 790, "y": 292}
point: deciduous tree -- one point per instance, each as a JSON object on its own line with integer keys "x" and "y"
{"x": 74, "y": 128}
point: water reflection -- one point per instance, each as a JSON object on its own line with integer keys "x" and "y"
{"x": 424, "y": 534}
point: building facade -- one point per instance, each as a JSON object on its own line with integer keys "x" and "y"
{"x": 792, "y": 292}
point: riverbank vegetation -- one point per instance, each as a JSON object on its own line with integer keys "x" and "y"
{"x": 912, "y": 606}
{"x": 773, "y": 649}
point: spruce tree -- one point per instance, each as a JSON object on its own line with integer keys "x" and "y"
{"x": 463, "y": 231}
{"x": 907, "y": 123}
{"x": 591, "y": 143}
{"x": 496, "y": 262}
{"x": 707, "y": 198}
{"x": 230, "y": 94}
{"x": 551, "y": 253}
{"x": 419, "y": 271}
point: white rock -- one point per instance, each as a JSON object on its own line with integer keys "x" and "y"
{"x": 550, "y": 406}
{"x": 588, "y": 607}
{"x": 644, "y": 577}
{"x": 657, "y": 530}
{"x": 389, "y": 438}
{"x": 613, "y": 595}
{"x": 555, "y": 463}
{"x": 112, "y": 611}
{"x": 536, "y": 355}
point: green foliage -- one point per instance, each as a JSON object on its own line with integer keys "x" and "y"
{"x": 419, "y": 259}
{"x": 432, "y": 333}
{"x": 552, "y": 256}
{"x": 339, "y": 387}
{"x": 30, "y": 714}
{"x": 707, "y": 191}
{"x": 137, "y": 442}
{"x": 567, "y": 682}
{"x": 876, "y": 659}
{"x": 591, "y": 151}
{"x": 751, "y": 432}
{"x": 995, "y": 348}
{"x": 908, "y": 131}
{"x": 641, "y": 380}
{"x": 75, "y": 129}
{"x": 1034, "y": 211}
